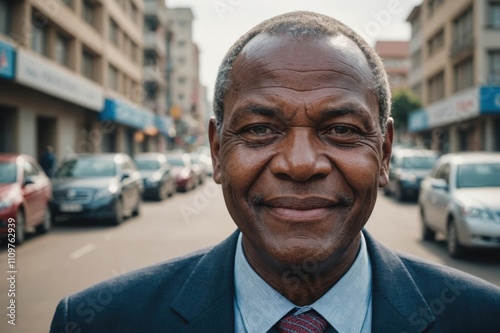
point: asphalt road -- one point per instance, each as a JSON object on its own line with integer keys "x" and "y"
{"x": 76, "y": 255}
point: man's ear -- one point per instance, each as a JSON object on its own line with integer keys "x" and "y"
{"x": 213, "y": 137}
{"x": 386, "y": 153}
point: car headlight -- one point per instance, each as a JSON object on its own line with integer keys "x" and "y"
{"x": 106, "y": 192}
{"x": 6, "y": 204}
{"x": 154, "y": 179}
{"x": 184, "y": 174}
{"x": 478, "y": 213}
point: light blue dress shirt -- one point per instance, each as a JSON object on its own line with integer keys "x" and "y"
{"x": 347, "y": 306}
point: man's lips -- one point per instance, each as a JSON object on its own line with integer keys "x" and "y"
{"x": 300, "y": 208}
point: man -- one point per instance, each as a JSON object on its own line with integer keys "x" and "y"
{"x": 300, "y": 145}
{"x": 48, "y": 161}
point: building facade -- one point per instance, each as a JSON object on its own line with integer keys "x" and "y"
{"x": 456, "y": 62}
{"x": 395, "y": 56}
{"x": 74, "y": 77}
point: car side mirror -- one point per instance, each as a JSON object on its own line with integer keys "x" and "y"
{"x": 125, "y": 175}
{"x": 440, "y": 184}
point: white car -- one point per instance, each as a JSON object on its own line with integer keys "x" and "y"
{"x": 461, "y": 199}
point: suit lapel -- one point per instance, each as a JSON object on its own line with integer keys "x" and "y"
{"x": 396, "y": 300}
{"x": 206, "y": 300}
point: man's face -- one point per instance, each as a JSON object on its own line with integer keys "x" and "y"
{"x": 301, "y": 152}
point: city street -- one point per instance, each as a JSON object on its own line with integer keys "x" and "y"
{"x": 76, "y": 255}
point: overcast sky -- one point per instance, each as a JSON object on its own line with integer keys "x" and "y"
{"x": 219, "y": 23}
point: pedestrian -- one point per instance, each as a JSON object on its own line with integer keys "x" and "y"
{"x": 48, "y": 161}
{"x": 300, "y": 144}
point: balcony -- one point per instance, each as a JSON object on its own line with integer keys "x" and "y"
{"x": 153, "y": 9}
{"x": 153, "y": 73}
{"x": 462, "y": 45}
{"x": 153, "y": 41}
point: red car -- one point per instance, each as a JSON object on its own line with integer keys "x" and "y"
{"x": 25, "y": 193}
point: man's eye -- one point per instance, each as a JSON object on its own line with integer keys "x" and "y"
{"x": 259, "y": 130}
{"x": 341, "y": 130}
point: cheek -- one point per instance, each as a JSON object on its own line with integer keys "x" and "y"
{"x": 360, "y": 169}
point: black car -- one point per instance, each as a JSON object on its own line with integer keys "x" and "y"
{"x": 156, "y": 175}
{"x": 100, "y": 186}
{"x": 408, "y": 168}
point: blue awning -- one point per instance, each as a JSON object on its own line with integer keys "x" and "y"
{"x": 128, "y": 114}
{"x": 163, "y": 123}
{"x": 7, "y": 60}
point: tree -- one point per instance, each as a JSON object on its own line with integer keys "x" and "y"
{"x": 404, "y": 102}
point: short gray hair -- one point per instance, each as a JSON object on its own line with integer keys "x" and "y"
{"x": 302, "y": 25}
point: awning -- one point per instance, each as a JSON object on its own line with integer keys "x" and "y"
{"x": 126, "y": 113}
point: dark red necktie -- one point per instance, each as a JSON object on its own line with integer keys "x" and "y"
{"x": 309, "y": 322}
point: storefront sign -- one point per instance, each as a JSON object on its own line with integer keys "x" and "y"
{"x": 490, "y": 99}
{"x": 462, "y": 106}
{"x": 126, "y": 113}
{"x": 38, "y": 73}
{"x": 7, "y": 59}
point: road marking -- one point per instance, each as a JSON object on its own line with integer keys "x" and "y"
{"x": 82, "y": 251}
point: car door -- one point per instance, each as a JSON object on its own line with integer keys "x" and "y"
{"x": 429, "y": 197}
{"x": 129, "y": 190}
{"x": 439, "y": 199}
{"x": 32, "y": 193}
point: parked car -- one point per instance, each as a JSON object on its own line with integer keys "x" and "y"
{"x": 156, "y": 175}
{"x": 198, "y": 166}
{"x": 100, "y": 186}
{"x": 25, "y": 193}
{"x": 461, "y": 199}
{"x": 408, "y": 168}
{"x": 185, "y": 178}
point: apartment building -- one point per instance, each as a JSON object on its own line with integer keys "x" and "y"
{"x": 74, "y": 77}
{"x": 157, "y": 40}
{"x": 395, "y": 56}
{"x": 456, "y": 68}
{"x": 184, "y": 77}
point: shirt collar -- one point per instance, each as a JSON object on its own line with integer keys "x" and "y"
{"x": 261, "y": 307}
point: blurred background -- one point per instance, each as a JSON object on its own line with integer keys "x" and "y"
{"x": 104, "y": 107}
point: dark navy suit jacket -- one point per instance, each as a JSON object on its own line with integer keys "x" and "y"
{"x": 196, "y": 293}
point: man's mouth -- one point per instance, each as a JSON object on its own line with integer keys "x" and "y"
{"x": 306, "y": 208}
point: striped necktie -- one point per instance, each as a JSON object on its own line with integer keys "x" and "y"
{"x": 309, "y": 322}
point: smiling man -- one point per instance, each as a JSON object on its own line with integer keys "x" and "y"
{"x": 300, "y": 145}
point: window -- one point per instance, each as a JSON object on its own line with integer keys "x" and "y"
{"x": 181, "y": 43}
{"x": 181, "y": 80}
{"x": 88, "y": 64}
{"x": 134, "y": 52}
{"x": 494, "y": 14}
{"x": 436, "y": 42}
{"x": 433, "y": 5}
{"x": 462, "y": 32}
{"x": 417, "y": 89}
{"x": 88, "y": 11}
{"x": 436, "y": 87}
{"x": 182, "y": 60}
{"x": 126, "y": 45}
{"x": 181, "y": 97}
{"x": 464, "y": 74}
{"x": 444, "y": 173}
{"x": 133, "y": 12}
{"x": 5, "y": 17}
{"x": 494, "y": 66}
{"x": 416, "y": 26}
{"x": 113, "y": 32}
{"x": 62, "y": 50}
{"x": 113, "y": 78}
{"x": 39, "y": 33}
{"x": 416, "y": 59}
{"x": 182, "y": 23}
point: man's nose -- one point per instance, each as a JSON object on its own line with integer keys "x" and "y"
{"x": 300, "y": 158}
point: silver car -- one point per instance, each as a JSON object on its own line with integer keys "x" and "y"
{"x": 461, "y": 199}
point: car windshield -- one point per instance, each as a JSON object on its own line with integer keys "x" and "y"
{"x": 7, "y": 173}
{"x": 147, "y": 164}
{"x": 87, "y": 167}
{"x": 179, "y": 162}
{"x": 418, "y": 162}
{"x": 478, "y": 175}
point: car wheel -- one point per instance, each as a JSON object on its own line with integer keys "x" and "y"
{"x": 400, "y": 193}
{"x": 47, "y": 222}
{"x": 455, "y": 249}
{"x": 20, "y": 227}
{"x": 427, "y": 233}
{"x": 118, "y": 218}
